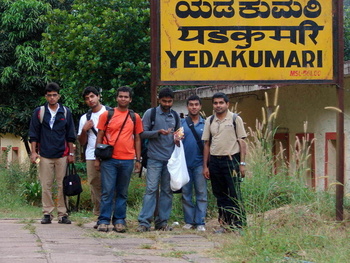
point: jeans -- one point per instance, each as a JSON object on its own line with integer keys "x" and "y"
{"x": 227, "y": 190}
{"x": 195, "y": 213}
{"x": 115, "y": 179}
{"x": 157, "y": 173}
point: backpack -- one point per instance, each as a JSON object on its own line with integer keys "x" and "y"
{"x": 88, "y": 117}
{"x": 42, "y": 112}
{"x": 144, "y": 142}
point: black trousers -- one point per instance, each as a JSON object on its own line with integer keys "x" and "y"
{"x": 225, "y": 182}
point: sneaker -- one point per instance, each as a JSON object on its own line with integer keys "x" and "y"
{"x": 120, "y": 228}
{"x": 188, "y": 226}
{"x": 102, "y": 228}
{"x": 201, "y": 228}
{"x": 64, "y": 220}
{"x": 142, "y": 228}
{"x": 165, "y": 227}
{"x": 46, "y": 219}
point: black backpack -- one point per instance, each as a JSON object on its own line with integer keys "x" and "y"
{"x": 144, "y": 142}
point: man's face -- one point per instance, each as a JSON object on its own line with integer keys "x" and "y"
{"x": 166, "y": 103}
{"x": 123, "y": 99}
{"x": 92, "y": 100}
{"x": 220, "y": 106}
{"x": 194, "y": 107}
{"x": 52, "y": 97}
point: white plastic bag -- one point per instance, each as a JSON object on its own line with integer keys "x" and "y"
{"x": 178, "y": 169}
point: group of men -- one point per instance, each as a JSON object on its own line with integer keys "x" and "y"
{"x": 214, "y": 149}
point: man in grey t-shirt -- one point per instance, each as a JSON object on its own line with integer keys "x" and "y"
{"x": 160, "y": 147}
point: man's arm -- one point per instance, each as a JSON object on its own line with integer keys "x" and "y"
{"x": 243, "y": 152}
{"x": 138, "y": 153}
{"x": 99, "y": 138}
{"x": 206, "y": 159}
{"x": 33, "y": 155}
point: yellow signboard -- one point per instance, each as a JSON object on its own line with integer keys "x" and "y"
{"x": 245, "y": 41}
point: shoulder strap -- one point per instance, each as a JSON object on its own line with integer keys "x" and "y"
{"x": 127, "y": 115}
{"x": 42, "y": 112}
{"x": 153, "y": 117}
{"x": 177, "y": 118}
{"x": 133, "y": 117}
{"x": 88, "y": 115}
{"x": 109, "y": 116}
{"x": 195, "y": 134}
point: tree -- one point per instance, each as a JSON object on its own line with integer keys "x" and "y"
{"x": 22, "y": 63}
{"x": 103, "y": 44}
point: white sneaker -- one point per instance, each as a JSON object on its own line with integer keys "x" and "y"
{"x": 188, "y": 226}
{"x": 201, "y": 228}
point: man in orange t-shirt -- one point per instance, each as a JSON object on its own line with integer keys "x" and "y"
{"x": 123, "y": 133}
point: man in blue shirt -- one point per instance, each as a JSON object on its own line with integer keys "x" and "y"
{"x": 160, "y": 147}
{"x": 194, "y": 213}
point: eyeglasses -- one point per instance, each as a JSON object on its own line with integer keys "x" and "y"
{"x": 51, "y": 95}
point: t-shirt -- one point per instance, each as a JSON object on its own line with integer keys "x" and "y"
{"x": 124, "y": 149}
{"x": 224, "y": 141}
{"x": 90, "y": 148}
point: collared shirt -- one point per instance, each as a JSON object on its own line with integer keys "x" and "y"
{"x": 160, "y": 147}
{"x": 224, "y": 141}
{"x": 194, "y": 157}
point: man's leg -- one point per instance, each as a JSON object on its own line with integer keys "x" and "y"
{"x": 165, "y": 198}
{"x": 187, "y": 204}
{"x": 200, "y": 186}
{"x": 124, "y": 171}
{"x": 60, "y": 172}
{"x": 46, "y": 175}
{"x": 94, "y": 178}
{"x": 108, "y": 180}
{"x": 154, "y": 169}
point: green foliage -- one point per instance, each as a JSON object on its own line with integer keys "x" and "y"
{"x": 103, "y": 44}
{"x": 347, "y": 33}
{"x": 22, "y": 62}
{"x": 32, "y": 192}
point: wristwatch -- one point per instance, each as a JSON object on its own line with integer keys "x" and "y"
{"x": 71, "y": 154}
{"x": 139, "y": 160}
{"x": 242, "y": 163}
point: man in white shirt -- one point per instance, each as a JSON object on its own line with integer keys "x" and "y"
{"x": 87, "y": 137}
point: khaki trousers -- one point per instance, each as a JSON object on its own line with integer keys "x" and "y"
{"x": 49, "y": 170}
{"x": 94, "y": 179}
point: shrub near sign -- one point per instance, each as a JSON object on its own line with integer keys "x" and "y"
{"x": 246, "y": 41}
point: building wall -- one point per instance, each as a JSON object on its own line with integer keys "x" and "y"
{"x": 17, "y": 151}
{"x": 298, "y": 104}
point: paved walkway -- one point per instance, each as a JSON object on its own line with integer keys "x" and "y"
{"x": 33, "y": 242}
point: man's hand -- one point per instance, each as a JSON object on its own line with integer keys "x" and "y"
{"x": 97, "y": 164}
{"x": 242, "y": 170}
{"x": 70, "y": 159}
{"x": 33, "y": 157}
{"x": 164, "y": 132}
{"x": 88, "y": 125}
{"x": 206, "y": 173}
{"x": 137, "y": 167}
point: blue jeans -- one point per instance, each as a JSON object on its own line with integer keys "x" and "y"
{"x": 157, "y": 173}
{"x": 115, "y": 179}
{"x": 195, "y": 213}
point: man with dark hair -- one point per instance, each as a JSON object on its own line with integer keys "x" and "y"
{"x": 87, "y": 133}
{"x": 123, "y": 132}
{"x": 224, "y": 151}
{"x": 160, "y": 147}
{"x": 52, "y": 135}
{"x": 193, "y": 126}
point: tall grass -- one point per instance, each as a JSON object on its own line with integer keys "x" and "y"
{"x": 287, "y": 220}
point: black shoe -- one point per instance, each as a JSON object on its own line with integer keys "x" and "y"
{"x": 142, "y": 229}
{"x": 165, "y": 227}
{"x": 64, "y": 220}
{"x": 46, "y": 219}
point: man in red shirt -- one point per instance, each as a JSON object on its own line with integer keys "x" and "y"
{"x": 122, "y": 132}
